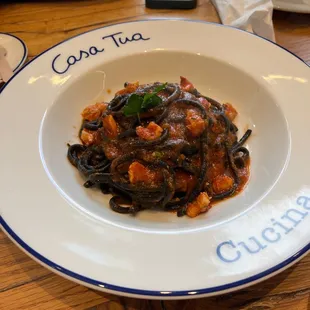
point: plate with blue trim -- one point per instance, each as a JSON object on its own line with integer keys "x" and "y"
{"x": 72, "y": 231}
{"x": 16, "y": 50}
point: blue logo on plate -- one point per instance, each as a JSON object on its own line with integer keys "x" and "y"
{"x": 117, "y": 38}
{"x": 230, "y": 251}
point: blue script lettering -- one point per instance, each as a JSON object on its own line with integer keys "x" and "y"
{"x": 253, "y": 251}
{"x": 72, "y": 60}
{"x": 286, "y": 229}
{"x": 228, "y": 252}
{"x": 118, "y": 41}
{"x": 269, "y": 237}
{"x": 228, "y": 244}
{"x": 295, "y": 221}
{"x": 304, "y": 201}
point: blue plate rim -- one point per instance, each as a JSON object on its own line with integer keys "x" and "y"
{"x": 163, "y": 294}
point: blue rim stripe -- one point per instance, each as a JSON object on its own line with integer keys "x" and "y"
{"x": 141, "y": 292}
{"x": 164, "y": 294}
{"x": 24, "y": 46}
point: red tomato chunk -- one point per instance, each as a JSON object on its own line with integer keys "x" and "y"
{"x": 222, "y": 183}
{"x": 194, "y": 123}
{"x": 200, "y": 205}
{"x": 110, "y": 126}
{"x": 186, "y": 85}
{"x": 139, "y": 173}
{"x": 89, "y": 137}
{"x": 129, "y": 89}
{"x": 151, "y": 132}
{"x": 94, "y": 111}
{"x": 230, "y": 111}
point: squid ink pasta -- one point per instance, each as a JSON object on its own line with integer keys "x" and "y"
{"x": 162, "y": 146}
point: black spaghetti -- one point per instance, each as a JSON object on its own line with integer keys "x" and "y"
{"x": 162, "y": 146}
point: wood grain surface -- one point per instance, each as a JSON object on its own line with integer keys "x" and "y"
{"x": 27, "y": 285}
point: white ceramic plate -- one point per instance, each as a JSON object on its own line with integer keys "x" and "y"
{"x": 16, "y": 50}
{"x": 72, "y": 231}
{"x": 297, "y": 6}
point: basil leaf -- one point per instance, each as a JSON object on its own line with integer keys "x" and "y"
{"x": 160, "y": 88}
{"x": 137, "y": 103}
{"x": 146, "y": 98}
{"x": 133, "y": 106}
{"x": 151, "y": 102}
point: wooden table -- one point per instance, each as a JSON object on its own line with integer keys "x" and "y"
{"x": 27, "y": 285}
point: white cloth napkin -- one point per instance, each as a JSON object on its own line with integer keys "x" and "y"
{"x": 250, "y": 15}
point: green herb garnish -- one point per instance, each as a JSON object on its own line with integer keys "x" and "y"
{"x": 158, "y": 154}
{"x": 133, "y": 105}
{"x": 137, "y": 104}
